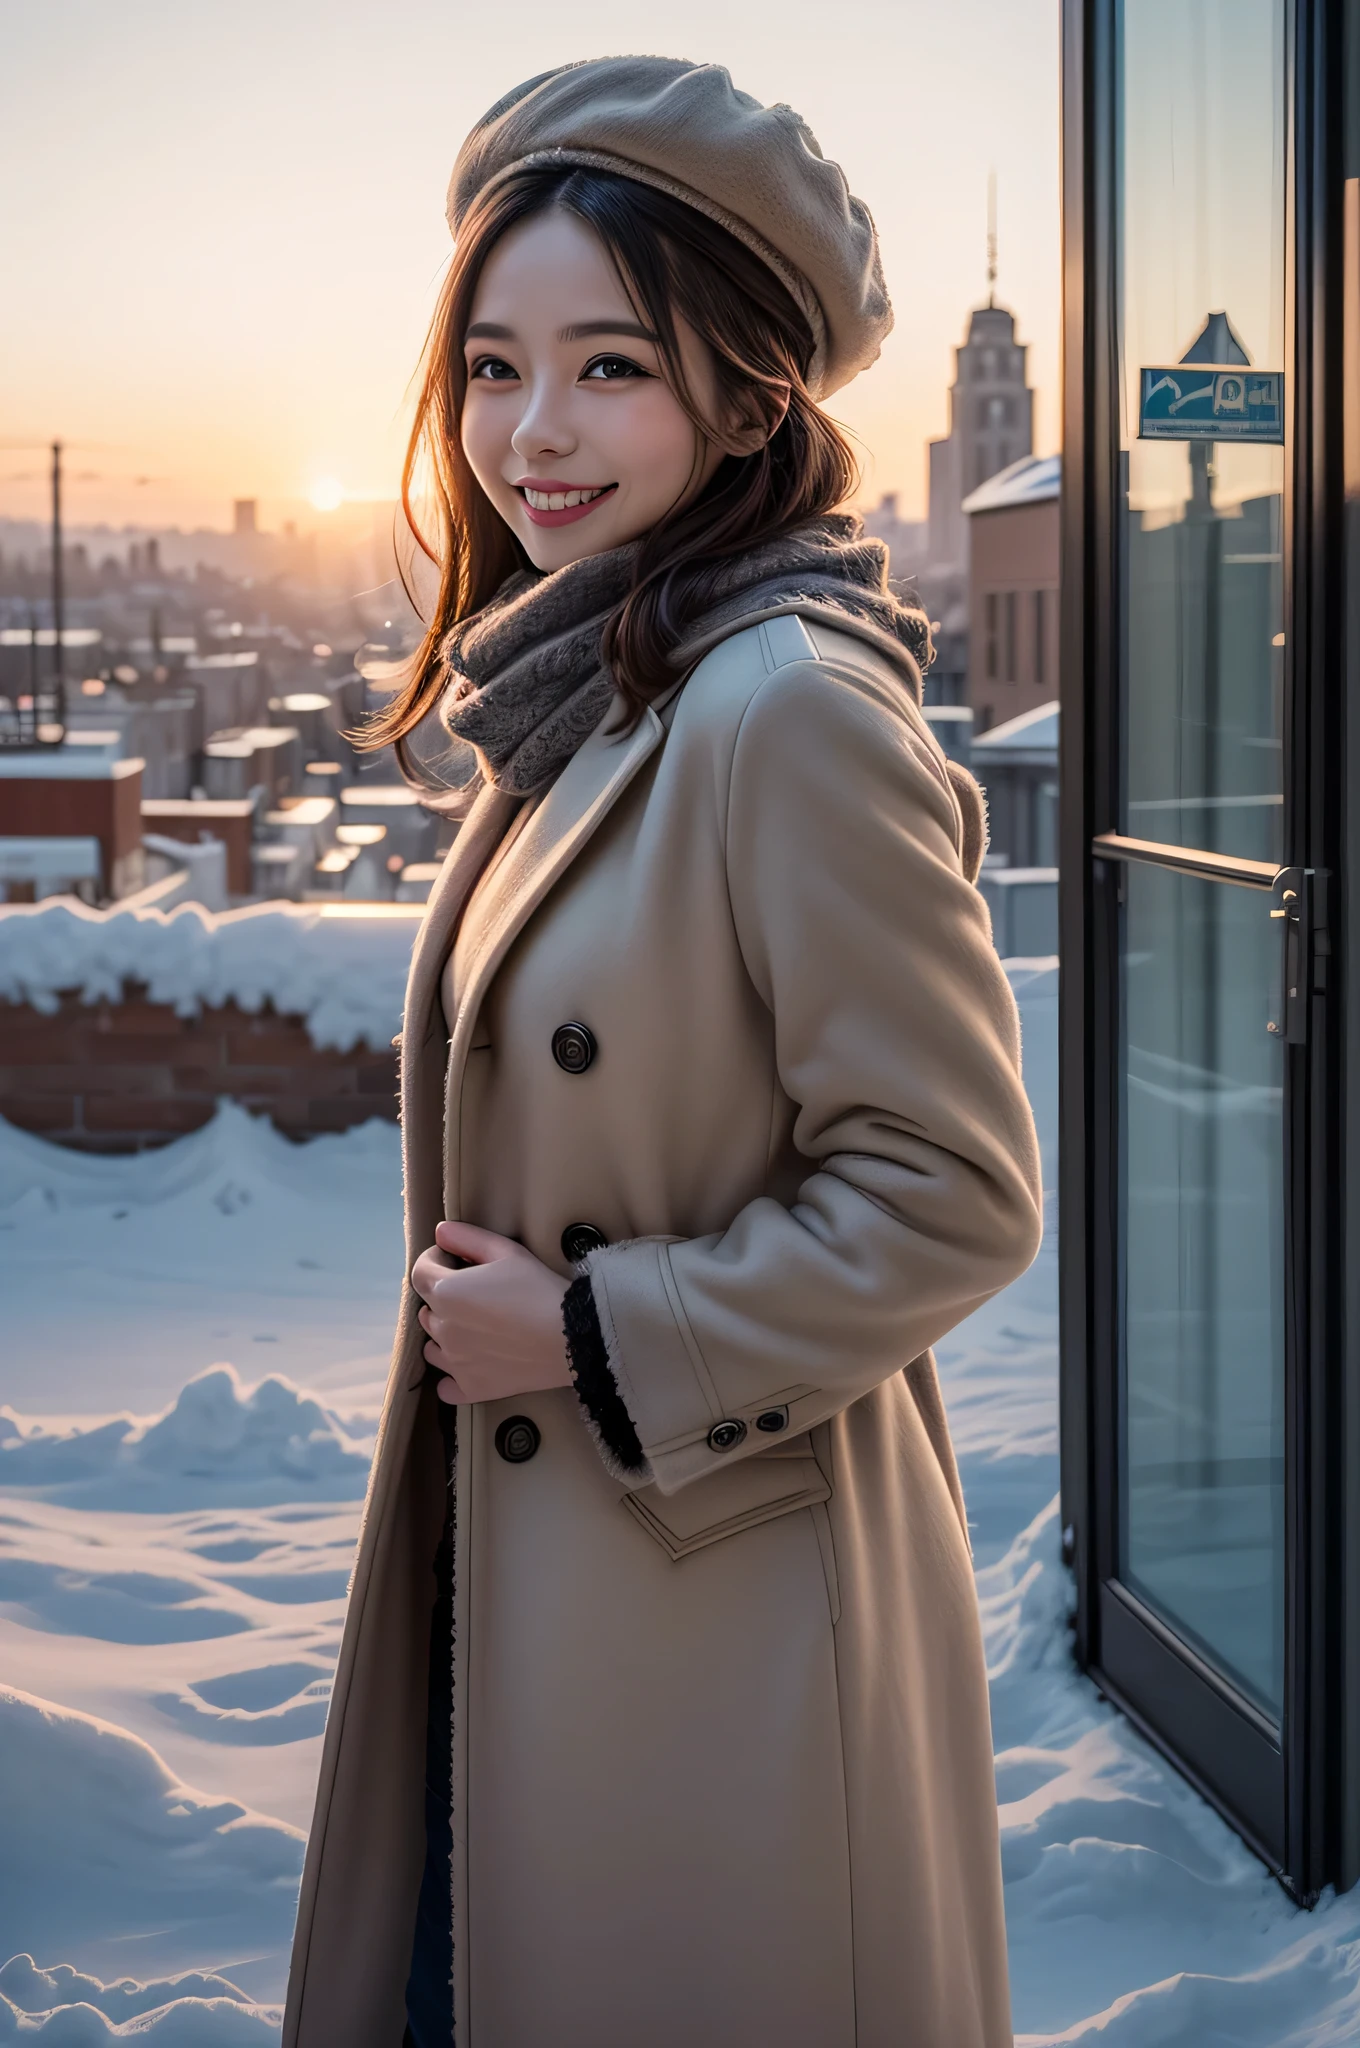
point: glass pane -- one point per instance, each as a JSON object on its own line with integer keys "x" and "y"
{"x": 1203, "y": 1483}
{"x": 1202, "y": 250}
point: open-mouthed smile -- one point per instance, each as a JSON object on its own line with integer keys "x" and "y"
{"x": 549, "y": 503}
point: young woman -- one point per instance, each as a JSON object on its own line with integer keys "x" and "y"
{"x": 713, "y": 1125}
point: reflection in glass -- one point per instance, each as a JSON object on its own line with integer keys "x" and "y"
{"x": 1202, "y": 194}
{"x": 1203, "y": 1489}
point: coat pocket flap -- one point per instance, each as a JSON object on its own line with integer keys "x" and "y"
{"x": 724, "y": 1503}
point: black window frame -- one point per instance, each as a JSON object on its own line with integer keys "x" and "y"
{"x": 1294, "y": 1796}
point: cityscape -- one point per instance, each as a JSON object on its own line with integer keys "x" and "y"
{"x": 219, "y": 683}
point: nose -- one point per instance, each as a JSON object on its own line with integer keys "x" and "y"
{"x": 544, "y": 428}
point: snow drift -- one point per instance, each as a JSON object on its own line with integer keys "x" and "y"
{"x": 102, "y": 1841}
{"x": 66, "y": 2008}
{"x": 217, "y": 1442}
{"x": 122, "y": 1276}
{"x": 184, "y": 2023}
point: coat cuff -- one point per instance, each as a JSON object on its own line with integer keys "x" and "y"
{"x": 659, "y": 1371}
{"x": 606, "y": 1414}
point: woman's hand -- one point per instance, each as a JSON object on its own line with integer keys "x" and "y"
{"x": 494, "y": 1325}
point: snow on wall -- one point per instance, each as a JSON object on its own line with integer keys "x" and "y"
{"x": 341, "y": 966}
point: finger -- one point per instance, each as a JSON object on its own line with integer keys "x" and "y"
{"x": 467, "y": 1241}
{"x": 427, "y": 1271}
{"x": 432, "y": 1267}
{"x": 423, "y": 1318}
{"x": 450, "y": 1391}
{"x": 435, "y": 1356}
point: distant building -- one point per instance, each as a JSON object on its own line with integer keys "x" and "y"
{"x": 85, "y": 800}
{"x": 1013, "y": 592}
{"x": 243, "y": 523}
{"x": 27, "y": 658}
{"x": 905, "y": 539}
{"x": 939, "y": 596}
{"x": 1017, "y": 765}
{"x": 991, "y": 425}
{"x": 233, "y": 689}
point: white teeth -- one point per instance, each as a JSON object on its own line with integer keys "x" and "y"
{"x": 560, "y": 501}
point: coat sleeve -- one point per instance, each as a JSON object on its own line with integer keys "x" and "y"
{"x": 896, "y": 1040}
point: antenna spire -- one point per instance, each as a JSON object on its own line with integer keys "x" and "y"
{"x": 991, "y": 238}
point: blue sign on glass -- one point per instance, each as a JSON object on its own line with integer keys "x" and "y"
{"x": 1188, "y": 402}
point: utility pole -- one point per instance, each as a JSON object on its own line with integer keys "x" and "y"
{"x": 58, "y": 604}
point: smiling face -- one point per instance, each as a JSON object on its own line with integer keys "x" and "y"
{"x": 569, "y": 424}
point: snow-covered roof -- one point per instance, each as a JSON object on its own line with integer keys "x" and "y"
{"x": 71, "y": 636}
{"x": 1032, "y": 732}
{"x": 1026, "y": 482}
{"x": 75, "y": 760}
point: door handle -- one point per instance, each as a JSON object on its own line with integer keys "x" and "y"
{"x": 1297, "y": 904}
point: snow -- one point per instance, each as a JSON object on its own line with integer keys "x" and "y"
{"x": 341, "y": 966}
{"x": 91, "y": 1803}
{"x": 216, "y": 1441}
{"x": 175, "y": 1538}
{"x": 233, "y": 1243}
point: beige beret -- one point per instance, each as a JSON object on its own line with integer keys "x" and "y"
{"x": 685, "y": 129}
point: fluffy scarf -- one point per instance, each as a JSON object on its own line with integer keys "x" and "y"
{"x": 527, "y": 683}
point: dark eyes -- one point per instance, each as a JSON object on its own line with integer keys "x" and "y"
{"x": 608, "y": 368}
{"x": 494, "y": 370}
{"x": 601, "y": 370}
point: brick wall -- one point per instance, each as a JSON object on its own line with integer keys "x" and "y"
{"x": 116, "y": 1077}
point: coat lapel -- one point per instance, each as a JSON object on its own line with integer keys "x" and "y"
{"x": 588, "y": 787}
{"x": 423, "y": 1039}
{"x": 581, "y": 798}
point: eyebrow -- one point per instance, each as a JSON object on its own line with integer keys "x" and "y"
{"x": 489, "y": 330}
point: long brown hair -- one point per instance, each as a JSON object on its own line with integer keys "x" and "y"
{"x": 674, "y": 262}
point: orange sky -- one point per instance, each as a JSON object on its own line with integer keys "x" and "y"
{"x": 223, "y": 225}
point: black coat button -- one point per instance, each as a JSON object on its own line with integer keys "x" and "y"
{"x": 579, "y": 1240}
{"x": 517, "y": 1439}
{"x": 725, "y": 1436}
{"x": 773, "y": 1420}
{"x": 573, "y": 1047}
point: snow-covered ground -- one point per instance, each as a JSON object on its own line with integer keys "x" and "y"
{"x": 192, "y": 1355}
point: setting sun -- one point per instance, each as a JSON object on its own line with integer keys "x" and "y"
{"x": 326, "y": 495}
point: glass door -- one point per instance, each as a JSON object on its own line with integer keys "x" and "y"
{"x": 1210, "y": 1423}
{"x": 1193, "y": 921}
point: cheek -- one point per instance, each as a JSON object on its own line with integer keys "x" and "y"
{"x": 654, "y": 442}
{"x": 485, "y": 432}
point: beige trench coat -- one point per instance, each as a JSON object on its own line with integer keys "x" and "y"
{"x": 722, "y": 1757}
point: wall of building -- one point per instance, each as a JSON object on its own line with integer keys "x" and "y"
{"x": 104, "y": 804}
{"x": 117, "y": 1076}
{"x": 1013, "y": 611}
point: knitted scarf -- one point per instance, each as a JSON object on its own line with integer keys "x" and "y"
{"x": 526, "y": 680}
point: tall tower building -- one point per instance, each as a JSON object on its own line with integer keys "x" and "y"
{"x": 991, "y": 424}
{"x": 991, "y": 415}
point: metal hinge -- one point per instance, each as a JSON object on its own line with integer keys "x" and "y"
{"x": 1298, "y": 900}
